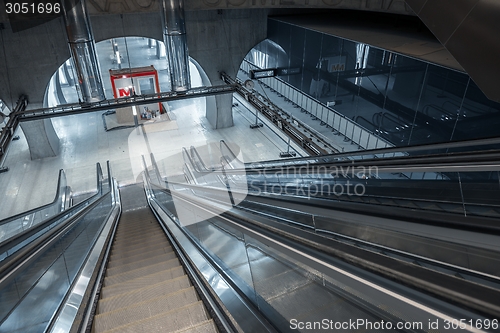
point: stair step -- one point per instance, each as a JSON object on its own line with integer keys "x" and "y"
{"x": 205, "y": 327}
{"x": 137, "y": 250}
{"x": 136, "y": 236}
{"x": 134, "y": 296}
{"x": 120, "y": 288}
{"x": 145, "y": 309}
{"x": 140, "y": 240}
{"x": 140, "y": 272}
{"x": 136, "y": 256}
{"x": 139, "y": 264}
{"x": 137, "y": 229}
{"x": 145, "y": 246}
{"x": 125, "y": 232}
{"x": 172, "y": 321}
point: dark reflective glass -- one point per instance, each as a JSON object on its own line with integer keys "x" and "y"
{"x": 296, "y": 56}
{"x": 402, "y": 100}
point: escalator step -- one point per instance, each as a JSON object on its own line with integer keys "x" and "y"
{"x": 139, "y": 264}
{"x": 133, "y": 252}
{"x": 134, "y": 296}
{"x": 120, "y": 288}
{"x": 137, "y": 248}
{"x": 205, "y": 327}
{"x": 144, "y": 223}
{"x": 173, "y": 321}
{"x": 138, "y": 234}
{"x": 139, "y": 240}
{"x": 143, "y": 310}
{"x": 139, "y": 272}
{"x": 136, "y": 256}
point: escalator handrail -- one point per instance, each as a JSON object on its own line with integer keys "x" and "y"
{"x": 62, "y": 175}
{"x": 451, "y": 220}
{"x": 482, "y": 205}
{"x": 483, "y": 161}
{"x": 21, "y": 258}
{"x": 224, "y": 145}
{"x": 11, "y": 263}
{"x": 404, "y": 150}
{"x": 82, "y": 318}
{"x": 387, "y": 270}
{"x": 189, "y": 161}
{"x": 37, "y": 209}
{"x": 195, "y": 156}
{"x": 155, "y": 168}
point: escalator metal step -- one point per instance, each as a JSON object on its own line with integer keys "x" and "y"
{"x": 145, "y": 309}
{"x": 120, "y": 288}
{"x": 205, "y": 327}
{"x": 137, "y": 256}
{"x": 139, "y": 240}
{"x": 145, "y": 288}
{"x": 139, "y": 264}
{"x": 137, "y": 250}
{"x": 133, "y": 296}
{"x": 132, "y": 250}
{"x": 172, "y": 320}
{"x": 139, "y": 272}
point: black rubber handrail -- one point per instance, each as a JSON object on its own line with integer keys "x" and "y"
{"x": 483, "y": 161}
{"x": 37, "y": 209}
{"x": 12, "y": 261}
{"x": 404, "y": 150}
{"x": 442, "y": 218}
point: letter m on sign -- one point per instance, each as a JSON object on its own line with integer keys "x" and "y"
{"x": 123, "y": 92}
{"x": 338, "y": 68}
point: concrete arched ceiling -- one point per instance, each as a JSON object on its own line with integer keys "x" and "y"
{"x": 470, "y": 30}
{"x": 133, "y": 6}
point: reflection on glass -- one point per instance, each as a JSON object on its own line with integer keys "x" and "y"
{"x": 403, "y": 100}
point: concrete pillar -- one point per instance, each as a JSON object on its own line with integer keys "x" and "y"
{"x": 41, "y": 137}
{"x": 82, "y": 48}
{"x": 218, "y": 41}
{"x": 174, "y": 36}
{"x": 222, "y": 115}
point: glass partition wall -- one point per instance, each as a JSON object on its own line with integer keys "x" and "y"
{"x": 404, "y": 100}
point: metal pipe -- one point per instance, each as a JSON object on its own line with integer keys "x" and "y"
{"x": 82, "y": 49}
{"x": 174, "y": 36}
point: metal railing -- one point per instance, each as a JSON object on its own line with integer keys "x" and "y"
{"x": 339, "y": 123}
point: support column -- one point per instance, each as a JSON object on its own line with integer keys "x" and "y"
{"x": 174, "y": 36}
{"x": 82, "y": 48}
{"x": 42, "y": 138}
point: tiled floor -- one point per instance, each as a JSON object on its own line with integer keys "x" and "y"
{"x": 84, "y": 142}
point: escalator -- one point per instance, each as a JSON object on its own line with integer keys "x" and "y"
{"x": 266, "y": 260}
{"x": 170, "y": 257}
{"x": 145, "y": 288}
{"x": 109, "y": 258}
